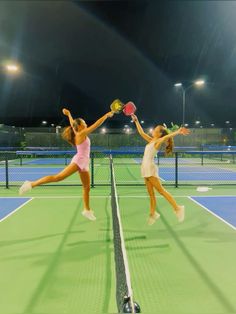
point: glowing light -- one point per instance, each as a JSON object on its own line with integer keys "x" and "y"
{"x": 12, "y": 68}
{"x": 44, "y": 122}
{"x": 199, "y": 82}
{"x": 104, "y": 130}
{"x": 142, "y": 122}
{"x": 178, "y": 84}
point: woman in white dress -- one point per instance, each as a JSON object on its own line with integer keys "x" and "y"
{"x": 149, "y": 170}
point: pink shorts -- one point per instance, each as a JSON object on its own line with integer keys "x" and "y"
{"x": 81, "y": 162}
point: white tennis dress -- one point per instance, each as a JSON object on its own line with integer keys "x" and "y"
{"x": 148, "y": 167}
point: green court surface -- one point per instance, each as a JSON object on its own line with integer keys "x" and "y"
{"x": 53, "y": 261}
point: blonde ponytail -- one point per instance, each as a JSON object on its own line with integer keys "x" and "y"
{"x": 169, "y": 146}
{"x": 169, "y": 143}
{"x": 69, "y": 135}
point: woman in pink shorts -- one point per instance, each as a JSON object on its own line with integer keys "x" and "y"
{"x": 77, "y": 135}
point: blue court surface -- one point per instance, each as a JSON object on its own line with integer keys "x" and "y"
{"x": 22, "y": 173}
{"x": 224, "y": 207}
{"x": 199, "y": 173}
{"x": 46, "y": 161}
{"x": 10, "y": 205}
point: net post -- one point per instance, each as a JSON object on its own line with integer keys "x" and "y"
{"x": 202, "y": 159}
{"x": 7, "y": 173}
{"x": 92, "y": 169}
{"x": 176, "y": 169}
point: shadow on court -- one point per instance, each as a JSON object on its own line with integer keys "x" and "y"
{"x": 219, "y": 294}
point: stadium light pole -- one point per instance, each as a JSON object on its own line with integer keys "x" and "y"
{"x": 184, "y": 90}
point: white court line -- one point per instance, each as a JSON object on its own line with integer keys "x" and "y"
{"x": 209, "y": 211}
{"x": 28, "y": 173}
{"x": 202, "y": 172}
{"x": 229, "y": 170}
{"x": 9, "y": 161}
{"x": 120, "y": 196}
{"x": 18, "y": 167}
{"x": 79, "y": 196}
{"x": 16, "y": 208}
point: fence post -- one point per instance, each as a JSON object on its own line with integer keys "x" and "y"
{"x": 158, "y": 158}
{"x": 7, "y": 174}
{"x": 176, "y": 169}
{"x": 202, "y": 159}
{"x": 92, "y": 169}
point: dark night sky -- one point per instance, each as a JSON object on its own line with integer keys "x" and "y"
{"x": 85, "y": 54}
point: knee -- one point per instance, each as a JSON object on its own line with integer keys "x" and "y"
{"x": 86, "y": 188}
{"x": 161, "y": 191}
{"x": 57, "y": 178}
{"x": 151, "y": 192}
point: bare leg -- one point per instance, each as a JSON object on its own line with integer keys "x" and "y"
{"x": 151, "y": 193}
{"x": 69, "y": 170}
{"x": 156, "y": 183}
{"x": 85, "y": 179}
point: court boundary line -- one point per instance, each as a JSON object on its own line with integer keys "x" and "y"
{"x": 230, "y": 170}
{"x": 212, "y": 213}
{"x": 16, "y": 209}
{"x": 120, "y": 196}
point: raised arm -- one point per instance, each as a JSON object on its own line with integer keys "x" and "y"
{"x": 180, "y": 131}
{"x": 99, "y": 122}
{"x": 67, "y": 113}
{"x": 140, "y": 129}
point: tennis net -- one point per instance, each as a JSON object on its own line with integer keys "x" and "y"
{"x": 124, "y": 293}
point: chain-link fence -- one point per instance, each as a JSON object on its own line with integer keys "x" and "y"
{"x": 183, "y": 168}
{"x": 50, "y": 138}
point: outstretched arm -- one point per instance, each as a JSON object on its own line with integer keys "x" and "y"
{"x": 140, "y": 129}
{"x": 99, "y": 122}
{"x": 67, "y": 113}
{"x": 180, "y": 131}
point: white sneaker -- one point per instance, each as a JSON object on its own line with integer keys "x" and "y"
{"x": 180, "y": 213}
{"x": 152, "y": 219}
{"x": 88, "y": 214}
{"x": 26, "y": 186}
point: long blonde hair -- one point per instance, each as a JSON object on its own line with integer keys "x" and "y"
{"x": 68, "y": 134}
{"x": 169, "y": 143}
